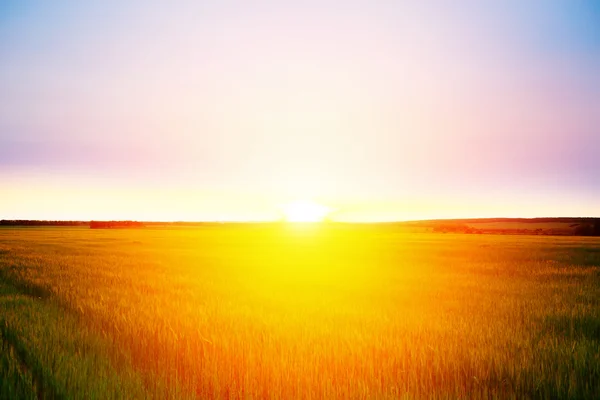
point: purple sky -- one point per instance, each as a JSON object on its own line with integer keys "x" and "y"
{"x": 226, "y": 110}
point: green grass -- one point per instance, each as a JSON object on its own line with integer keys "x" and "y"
{"x": 297, "y": 312}
{"x": 16, "y": 380}
{"x": 48, "y": 353}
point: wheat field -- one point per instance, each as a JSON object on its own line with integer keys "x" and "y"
{"x": 317, "y": 311}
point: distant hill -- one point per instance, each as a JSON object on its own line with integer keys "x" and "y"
{"x": 569, "y": 226}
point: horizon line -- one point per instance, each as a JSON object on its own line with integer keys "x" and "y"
{"x": 326, "y": 221}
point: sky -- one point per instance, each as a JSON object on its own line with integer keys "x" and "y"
{"x": 228, "y": 110}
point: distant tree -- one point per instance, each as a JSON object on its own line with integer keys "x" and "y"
{"x": 115, "y": 224}
{"x": 452, "y": 228}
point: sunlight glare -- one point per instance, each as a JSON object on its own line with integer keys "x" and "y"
{"x": 305, "y": 211}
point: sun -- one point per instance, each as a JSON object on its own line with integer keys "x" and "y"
{"x": 305, "y": 211}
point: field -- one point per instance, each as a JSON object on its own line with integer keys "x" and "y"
{"x": 276, "y": 311}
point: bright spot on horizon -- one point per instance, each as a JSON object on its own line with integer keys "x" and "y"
{"x": 305, "y": 211}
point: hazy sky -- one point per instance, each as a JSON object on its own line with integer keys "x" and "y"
{"x": 228, "y": 109}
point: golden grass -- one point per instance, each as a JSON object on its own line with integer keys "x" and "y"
{"x": 324, "y": 311}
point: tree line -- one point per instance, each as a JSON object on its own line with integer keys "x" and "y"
{"x": 34, "y": 222}
{"x": 115, "y": 224}
{"x": 91, "y": 224}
